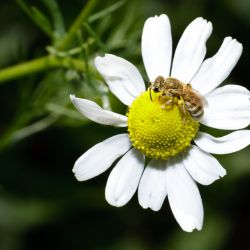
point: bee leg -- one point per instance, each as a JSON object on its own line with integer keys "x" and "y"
{"x": 169, "y": 101}
{"x": 181, "y": 104}
{"x": 162, "y": 96}
{"x": 159, "y": 97}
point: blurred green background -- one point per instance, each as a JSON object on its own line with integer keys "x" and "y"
{"x": 42, "y": 206}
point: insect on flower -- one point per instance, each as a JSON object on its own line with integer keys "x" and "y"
{"x": 188, "y": 98}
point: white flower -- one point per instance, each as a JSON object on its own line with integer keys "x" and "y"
{"x": 228, "y": 108}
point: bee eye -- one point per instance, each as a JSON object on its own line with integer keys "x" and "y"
{"x": 156, "y": 89}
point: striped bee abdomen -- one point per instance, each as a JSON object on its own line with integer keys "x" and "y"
{"x": 195, "y": 109}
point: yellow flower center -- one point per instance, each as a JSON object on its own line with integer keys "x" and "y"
{"x": 157, "y": 129}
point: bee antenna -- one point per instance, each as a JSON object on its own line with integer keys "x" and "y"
{"x": 150, "y": 94}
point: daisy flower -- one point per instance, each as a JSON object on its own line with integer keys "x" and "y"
{"x": 164, "y": 154}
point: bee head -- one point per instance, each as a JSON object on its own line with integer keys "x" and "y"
{"x": 153, "y": 88}
{"x": 156, "y": 89}
{"x": 157, "y": 85}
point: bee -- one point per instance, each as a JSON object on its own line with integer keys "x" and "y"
{"x": 188, "y": 98}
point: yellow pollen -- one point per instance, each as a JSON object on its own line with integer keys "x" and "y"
{"x": 159, "y": 131}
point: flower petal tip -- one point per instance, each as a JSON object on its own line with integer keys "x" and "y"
{"x": 223, "y": 173}
{"x": 78, "y": 178}
{"x": 199, "y": 19}
{"x": 72, "y": 97}
{"x": 98, "y": 60}
{"x": 157, "y": 18}
{"x": 114, "y": 201}
{"x": 77, "y": 175}
{"x": 75, "y": 170}
{"x": 163, "y": 16}
{"x": 153, "y": 208}
{"x": 191, "y": 225}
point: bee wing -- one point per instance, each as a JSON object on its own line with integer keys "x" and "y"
{"x": 202, "y": 98}
{"x": 204, "y": 101}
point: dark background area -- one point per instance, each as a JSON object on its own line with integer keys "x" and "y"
{"x": 42, "y": 206}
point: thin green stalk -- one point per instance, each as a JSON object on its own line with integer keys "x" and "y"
{"x": 38, "y": 17}
{"x": 49, "y": 61}
{"x": 19, "y": 130}
{"x": 71, "y": 34}
{"x": 39, "y": 64}
{"x": 96, "y": 37}
{"x": 107, "y": 11}
{"x": 58, "y": 23}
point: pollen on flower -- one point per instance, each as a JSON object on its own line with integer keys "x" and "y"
{"x": 159, "y": 131}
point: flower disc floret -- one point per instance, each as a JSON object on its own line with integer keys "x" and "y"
{"x": 159, "y": 131}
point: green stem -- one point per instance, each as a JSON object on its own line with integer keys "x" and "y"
{"x": 71, "y": 34}
{"x": 49, "y": 61}
{"x": 37, "y": 65}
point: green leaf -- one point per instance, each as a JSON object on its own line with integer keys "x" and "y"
{"x": 97, "y": 38}
{"x": 38, "y": 17}
{"x": 106, "y": 11}
{"x": 41, "y": 20}
{"x": 58, "y": 23}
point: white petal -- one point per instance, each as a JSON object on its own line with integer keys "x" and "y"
{"x": 203, "y": 167}
{"x": 124, "y": 178}
{"x": 191, "y": 49}
{"x": 100, "y": 157}
{"x": 228, "y": 108}
{"x": 152, "y": 188}
{"x": 122, "y": 77}
{"x": 216, "y": 69}
{"x": 157, "y": 46}
{"x": 95, "y": 113}
{"x": 184, "y": 196}
{"x": 223, "y": 145}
